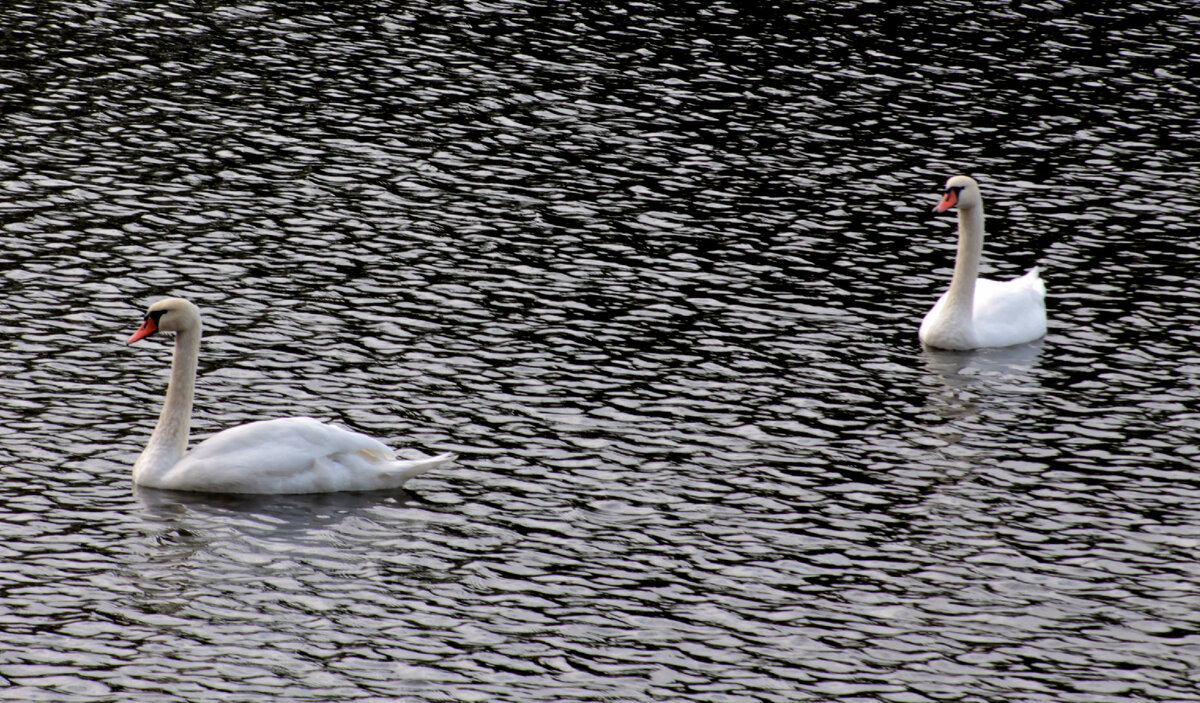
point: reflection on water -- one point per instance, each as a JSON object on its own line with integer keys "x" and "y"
{"x": 299, "y": 512}
{"x": 960, "y": 369}
{"x": 996, "y": 373}
{"x": 655, "y": 272}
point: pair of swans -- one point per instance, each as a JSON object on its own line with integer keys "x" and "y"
{"x": 303, "y": 455}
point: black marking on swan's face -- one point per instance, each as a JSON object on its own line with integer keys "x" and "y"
{"x": 156, "y": 316}
{"x": 150, "y": 325}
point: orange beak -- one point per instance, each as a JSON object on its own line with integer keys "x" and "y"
{"x": 949, "y": 200}
{"x": 148, "y": 328}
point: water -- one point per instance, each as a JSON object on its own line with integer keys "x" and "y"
{"x": 654, "y": 270}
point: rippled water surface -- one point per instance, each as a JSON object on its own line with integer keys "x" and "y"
{"x": 654, "y": 270}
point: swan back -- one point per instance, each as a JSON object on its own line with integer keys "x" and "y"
{"x": 290, "y": 455}
{"x": 1010, "y": 312}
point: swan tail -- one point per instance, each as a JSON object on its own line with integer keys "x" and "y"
{"x": 1035, "y": 280}
{"x": 415, "y": 467}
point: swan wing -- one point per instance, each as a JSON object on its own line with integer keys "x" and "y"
{"x": 1010, "y": 312}
{"x": 291, "y": 455}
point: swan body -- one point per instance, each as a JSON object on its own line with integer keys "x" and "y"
{"x": 289, "y": 455}
{"x": 977, "y": 312}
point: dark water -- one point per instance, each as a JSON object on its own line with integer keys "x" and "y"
{"x": 655, "y": 271}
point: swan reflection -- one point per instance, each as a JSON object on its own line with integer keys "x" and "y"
{"x": 963, "y": 374}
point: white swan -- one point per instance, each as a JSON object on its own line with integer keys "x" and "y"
{"x": 290, "y": 455}
{"x": 977, "y": 312}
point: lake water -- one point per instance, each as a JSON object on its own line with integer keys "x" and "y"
{"x": 654, "y": 270}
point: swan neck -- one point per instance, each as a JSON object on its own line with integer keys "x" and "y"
{"x": 169, "y": 441}
{"x": 961, "y": 295}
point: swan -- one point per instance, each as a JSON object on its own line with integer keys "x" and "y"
{"x": 976, "y": 312}
{"x": 289, "y": 455}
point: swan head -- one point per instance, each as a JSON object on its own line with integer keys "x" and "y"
{"x": 169, "y": 315}
{"x": 961, "y": 192}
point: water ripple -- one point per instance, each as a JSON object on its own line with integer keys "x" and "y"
{"x": 655, "y": 272}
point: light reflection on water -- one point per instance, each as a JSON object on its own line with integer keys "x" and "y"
{"x": 656, "y": 274}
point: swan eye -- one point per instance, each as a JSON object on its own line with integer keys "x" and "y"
{"x": 156, "y": 315}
